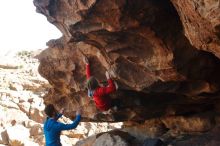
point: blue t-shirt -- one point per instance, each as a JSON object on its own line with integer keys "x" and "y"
{"x": 53, "y": 128}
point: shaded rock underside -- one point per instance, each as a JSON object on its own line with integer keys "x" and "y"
{"x": 163, "y": 54}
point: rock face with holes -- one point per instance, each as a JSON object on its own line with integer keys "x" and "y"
{"x": 21, "y": 104}
{"x": 201, "y": 23}
{"x": 163, "y": 54}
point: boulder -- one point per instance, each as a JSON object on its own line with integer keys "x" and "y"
{"x": 111, "y": 138}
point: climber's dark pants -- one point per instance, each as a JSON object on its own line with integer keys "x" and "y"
{"x": 116, "y": 102}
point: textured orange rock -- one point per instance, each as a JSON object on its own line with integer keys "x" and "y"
{"x": 163, "y": 54}
{"x": 201, "y": 23}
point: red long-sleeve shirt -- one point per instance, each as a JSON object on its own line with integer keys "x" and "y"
{"x": 100, "y": 95}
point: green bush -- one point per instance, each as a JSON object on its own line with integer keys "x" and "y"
{"x": 24, "y": 54}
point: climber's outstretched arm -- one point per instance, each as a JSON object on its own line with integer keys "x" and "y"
{"x": 88, "y": 72}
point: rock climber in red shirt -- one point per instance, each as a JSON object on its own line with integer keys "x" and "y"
{"x": 100, "y": 94}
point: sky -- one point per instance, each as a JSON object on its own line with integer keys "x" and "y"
{"x": 22, "y": 28}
